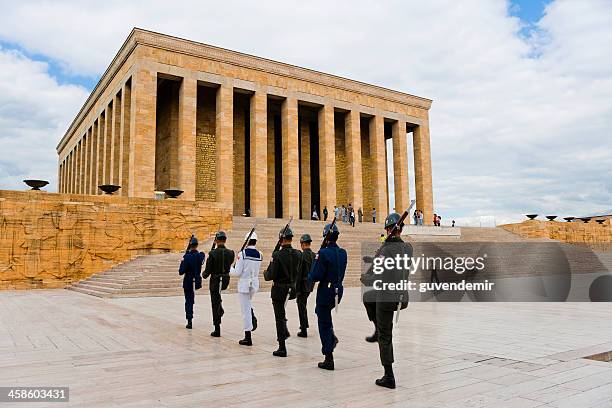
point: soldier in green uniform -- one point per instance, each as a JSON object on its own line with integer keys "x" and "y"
{"x": 382, "y": 304}
{"x": 303, "y": 287}
{"x": 283, "y": 272}
{"x": 218, "y": 267}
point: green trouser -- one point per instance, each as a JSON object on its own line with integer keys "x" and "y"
{"x": 382, "y": 316}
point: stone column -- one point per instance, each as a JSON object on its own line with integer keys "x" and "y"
{"x": 108, "y": 144}
{"x": 86, "y": 142}
{"x": 100, "y": 167}
{"x": 186, "y": 143}
{"x": 400, "y": 166}
{"x": 124, "y": 148}
{"x": 422, "y": 172}
{"x": 327, "y": 159}
{"x": 142, "y": 129}
{"x": 94, "y": 162}
{"x": 115, "y": 149}
{"x": 353, "y": 160}
{"x": 379, "y": 167}
{"x": 72, "y": 171}
{"x": 258, "y": 162}
{"x": 224, "y": 129}
{"x": 290, "y": 163}
{"x": 79, "y": 167}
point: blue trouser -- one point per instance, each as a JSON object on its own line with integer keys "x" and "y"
{"x": 189, "y": 301}
{"x": 326, "y": 328}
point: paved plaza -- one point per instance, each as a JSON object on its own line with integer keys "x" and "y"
{"x": 135, "y": 352}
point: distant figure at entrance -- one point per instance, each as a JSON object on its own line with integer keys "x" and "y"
{"x": 325, "y": 213}
{"x": 315, "y": 215}
{"x": 374, "y": 215}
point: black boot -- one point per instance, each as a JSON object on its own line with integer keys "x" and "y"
{"x": 387, "y": 380}
{"x": 282, "y": 350}
{"x": 188, "y": 324}
{"x": 247, "y": 339}
{"x": 254, "y": 319}
{"x": 303, "y": 332}
{"x": 373, "y": 338}
{"x": 328, "y": 363}
{"x": 217, "y": 332}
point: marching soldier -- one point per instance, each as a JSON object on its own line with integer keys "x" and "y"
{"x": 328, "y": 269}
{"x": 283, "y": 271}
{"x": 247, "y": 270}
{"x": 218, "y": 266}
{"x": 381, "y": 305}
{"x": 303, "y": 287}
{"x": 191, "y": 270}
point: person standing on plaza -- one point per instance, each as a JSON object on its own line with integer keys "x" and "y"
{"x": 360, "y": 214}
{"x": 374, "y": 215}
{"x": 283, "y": 271}
{"x": 315, "y": 215}
{"x": 328, "y": 268}
{"x": 420, "y": 217}
{"x": 191, "y": 270}
{"x": 415, "y": 216}
{"x": 381, "y": 305}
{"x": 248, "y": 264}
{"x": 217, "y": 268}
{"x": 325, "y": 213}
{"x": 302, "y": 286}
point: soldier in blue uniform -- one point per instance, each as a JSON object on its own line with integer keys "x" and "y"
{"x": 328, "y": 269}
{"x": 191, "y": 269}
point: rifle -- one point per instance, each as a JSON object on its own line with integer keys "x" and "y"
{"x": 277, "y": 247}
{"x": 189, "y": 243}
{"x": 278, "y": 244}
{"x": 246, "y": 241}
{"x": 326, "y": 237}
{"x": 248, "y": 238}
{"x": 214, "y": 244}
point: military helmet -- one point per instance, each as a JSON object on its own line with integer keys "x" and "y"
{"x": 392, "y": 219}
{"x": 253, "y": 235}
{"x": 285, "y": 233}
{"x": 335, "y": 230}
{"x": 193, "y": 241}
{"x": 220, "y": 235}
{"x": 305, "y": 238}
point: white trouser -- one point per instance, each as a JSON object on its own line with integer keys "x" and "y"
{"x": 245, "y": 308}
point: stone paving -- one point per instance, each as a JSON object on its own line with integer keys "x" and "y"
{"x": 135, "y": 352}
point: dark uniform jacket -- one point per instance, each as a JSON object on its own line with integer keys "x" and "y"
{"x": 191, "y": 269}
{"x": 328, "y": 269}
{"x": 302, "y": 284}
{"x": 386, "y": 298}
{"x": 283, "y": 271}
{"x": 218, "y": 266}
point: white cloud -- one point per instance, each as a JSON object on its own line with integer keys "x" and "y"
{"x": 34, "y": 111}
{"x": 510, "y": 133}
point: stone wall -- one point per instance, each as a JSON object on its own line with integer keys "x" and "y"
{"x": 50, "y": 240}
{"x": 341, "y": 174}
{"x": 206, "y": 146}
{"x": 366, "y": 173}
{"x": 572, "y": 232}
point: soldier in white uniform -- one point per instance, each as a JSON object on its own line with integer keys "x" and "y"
{"x": 246, "y": 269}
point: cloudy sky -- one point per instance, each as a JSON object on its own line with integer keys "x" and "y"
{"x": 522, "y": 89}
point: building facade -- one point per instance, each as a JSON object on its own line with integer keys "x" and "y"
{"x": 256, "y": 135}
